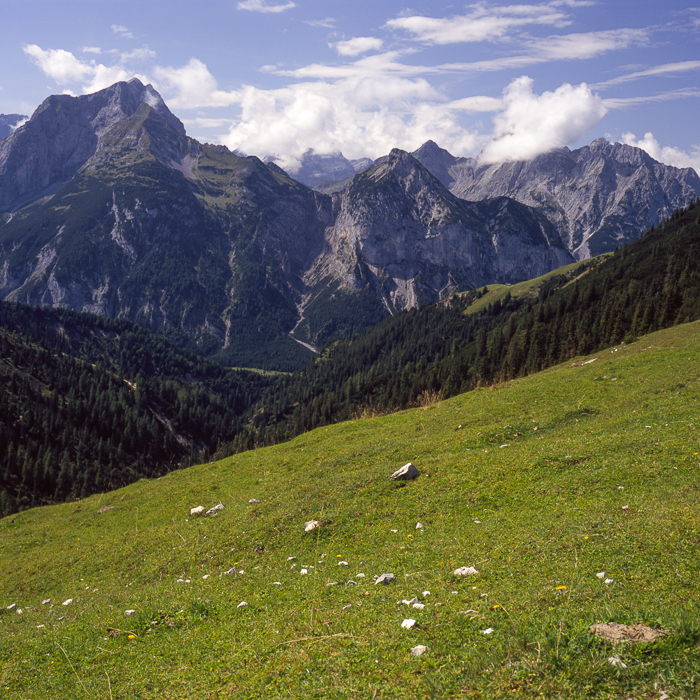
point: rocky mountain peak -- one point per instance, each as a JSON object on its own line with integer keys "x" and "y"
{"x": 65, "y": 132}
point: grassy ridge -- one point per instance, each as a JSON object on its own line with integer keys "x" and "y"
{"x": 545, "y": 465}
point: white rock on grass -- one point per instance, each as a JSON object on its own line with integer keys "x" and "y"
{"x": 215, "y": 509}
{"x": 407, "y": 472}
{"x": 303, "y": 572}
{"x": 311, "y": 525}
{"x": 408, "y": 623}
{"x": 488, "y": 630}
{"x": 342, "y": 563}
{"x": 11, "y": 606}
{"x": 419, "y": 526}
{"x": 67, "y": 602}
{"x": 466, "y": 571}
{"x": 601, "y": 575}
{"x": 130, "y": 613}
{"x": 419, "y": 650}
{"x": 198, "y": 510}
{"x": 253, "y": 500}
{"x": 359, "y": 576}
{"x": 608, "y": 581}
{"x": 46, "y": 601}
{"x": 425, "y": 593}
{"x": 418, "y": 606}
{"x": 386, "y": 579}
{"x": 617, "y": 661}
{"x": 242, "y": 604}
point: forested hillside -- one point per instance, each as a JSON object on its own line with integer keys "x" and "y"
{"x": 89, "y": 404}
{"x": 442, "y": 350}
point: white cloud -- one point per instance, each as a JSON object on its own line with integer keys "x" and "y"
{"x": 359, "y": 117}
{"x": 622, "y": 102}
{"x": 193, "y": 86}
{"x": 532, "y": 124}
{"x": 357, "y": 45}
{"x": 122, "y": 31}
{"x": 262, "y": 6}
{"x": 91, "y": 49}
{"x": 477, "y": 103}
{"x": 483, "y": 23}
{"x": 662, "y": 70}
{"x": 59, "y": 64}
{"x": 65, "y": 68}
{"x": 328, "y": 23}
{"x": 665, "y": 154}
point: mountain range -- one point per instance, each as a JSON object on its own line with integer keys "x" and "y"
{"x": 107, "y": 206}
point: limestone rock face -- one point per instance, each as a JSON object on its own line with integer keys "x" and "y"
{"x": 598, "y": 196}
{"x": 400, "y": 230}
{"x": 8, "y": 123}
{"x": 63, "y": 133}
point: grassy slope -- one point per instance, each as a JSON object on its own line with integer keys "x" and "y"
{"x": 539, "y": 462}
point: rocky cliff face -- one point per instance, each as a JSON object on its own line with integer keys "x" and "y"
{"x": 110, "y": 207}
{"x": 63, "y": 134}
{"x": 419, "y": 242}
{"x": 8, "y": 123}
{"x": 598, "y": 196}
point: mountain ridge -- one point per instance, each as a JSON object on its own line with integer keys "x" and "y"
{"x": 111, "y": 208}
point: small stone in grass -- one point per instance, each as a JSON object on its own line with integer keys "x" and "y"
{"x": 11, "y": 606}
{"x": 359, "y": 575}
{"x": 129, "y": 613}
{"x": 215, "y": 509}
{"x": 303, "y": 572}
{"x": 419, "y": 650}
{"x": 46, "y": 601}
{"x": 419, "y": 526}
{"x": 407, "y": 472}
{"x": 197, "y": 510}
{"x": 601, "y": 575}
{"x": 408, "y": 623}
{"x": 384, "y": 579}
{"x": 67, "y": 602}
{"x": 466, "y": 571}
{"x": 342, "y": 563}
{"x": 617, "y": 661}
{"x": 488, "y": 630}
{"x": 425, "y": 593}
{"x": 419, "y": 606}
{"x": 608, "y": 581}
{"x": 253, "y": 500}
{"x": 242, "y": 604}
{"x": 311, "y": 525}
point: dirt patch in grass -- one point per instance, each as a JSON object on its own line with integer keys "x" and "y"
{"x": 622, "y": 634}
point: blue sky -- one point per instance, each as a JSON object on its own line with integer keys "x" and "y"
{"x": 276, "y": 77}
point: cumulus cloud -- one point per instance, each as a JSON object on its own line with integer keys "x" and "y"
{"x": 664, "y": 154}
{"x": 91, "y": 49}
{"x": 357, "y": 45}
{"x": 483, "y": 23}
{"x": 262, "y": 6}
{"x": 531, "y": 124}
{"x": 65, "y": 68}
{"x": 59, "y": 64}
{"x": 193, "y": 86}
{"x": 358, "y": 117}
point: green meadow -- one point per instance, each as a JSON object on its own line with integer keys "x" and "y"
{"x": 540, "y": 484}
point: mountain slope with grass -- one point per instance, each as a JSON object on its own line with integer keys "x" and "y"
{"x": 572, "y": 492}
